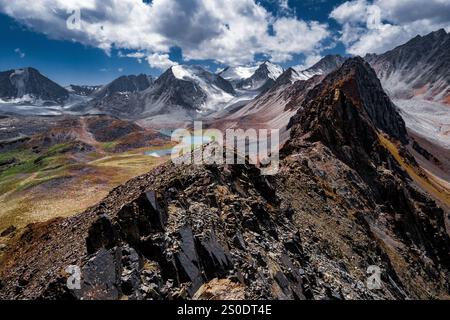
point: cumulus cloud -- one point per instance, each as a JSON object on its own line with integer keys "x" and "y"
{"x": 160, "y": 61}
{"x": 380, "y": 25}
{"x": 230, "y": 32}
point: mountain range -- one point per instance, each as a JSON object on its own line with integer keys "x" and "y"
{"x": 419, "y": 68}
{"x": 363, "y": 182}
{"x": 184, "y": 91}
{"x": 414, "y": 75}
{"x": 349, "y": 195}
{"x": 415, "y": 69}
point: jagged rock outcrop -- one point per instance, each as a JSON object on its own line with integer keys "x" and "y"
{"x": 357, "y": 82}
{"x": 349, "y": 116}
{"x": 340, "y": 204}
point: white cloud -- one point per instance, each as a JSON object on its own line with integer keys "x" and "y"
{"x": 380, "y": 25}
{"x": 20, "y": 53}
{"x": 160, "y": 61}
{"x": 136, "y": 55}
{"x": 230, "y": 32}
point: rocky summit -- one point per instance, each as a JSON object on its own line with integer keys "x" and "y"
{"x": 343, "y": 203}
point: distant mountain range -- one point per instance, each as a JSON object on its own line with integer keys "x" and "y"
{"x": 363, "y": 182}
{"x": 82, "y": 90}
{"x": 260, "y": 95}
{"x": 259, "y": 78}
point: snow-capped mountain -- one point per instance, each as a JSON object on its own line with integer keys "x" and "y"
{"x": 288, "y": 76}
{"x": 237, "y": 74}
{"x": 28, "y": 85}
{"x": 191, "y": 87}
{"x": 271, "y": 109}
{"x": 262, "y": 79}
{"x": 325, "y": 66}
{"x": 180, "y": 94}
{"x": 419, "y": 68}
{"x": 274, "y": 107}
{"x": 416, "y": 76}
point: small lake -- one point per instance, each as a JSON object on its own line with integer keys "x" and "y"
{"x": 194, "y": 141}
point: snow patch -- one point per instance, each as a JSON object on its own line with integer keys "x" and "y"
{"x": 274, "y": 70}
{"x": 238, "y": 73}
{"x": 216, "y": 97}
{"x": 430, "y": 120}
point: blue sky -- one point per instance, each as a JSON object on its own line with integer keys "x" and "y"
{"x": 161, "y": 33}
{"x": 64, "y": 61}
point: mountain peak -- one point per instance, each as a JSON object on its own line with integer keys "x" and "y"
{"x": 324, "y": 66}
{"x": 183, "y": 72}
{"x": 328, "y": 63}
{"x": 348, "y": 105}
{"x": 28, "y": 83}
{"x": 272, "y": 70}
{"x": 289, "y": 76}
{"x": 440, "y": 32}
{"x": 126, "y": 83}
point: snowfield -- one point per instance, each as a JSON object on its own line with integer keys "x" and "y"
{"x": 237, "y": 73}
{"x": 430, "y": 120}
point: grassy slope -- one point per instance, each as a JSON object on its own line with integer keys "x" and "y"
{"x": 56, "y": 183}
{"x": 426, "y": 181}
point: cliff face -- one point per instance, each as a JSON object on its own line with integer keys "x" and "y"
{"x": 341, "y": 202}
{"x": 352, "y": 138}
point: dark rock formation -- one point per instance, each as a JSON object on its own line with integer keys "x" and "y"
{"x": 29, "y": 82}
{"x": 125, "y": 84}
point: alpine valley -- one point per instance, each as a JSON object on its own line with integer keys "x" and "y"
{"x": 364, "y": 180}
